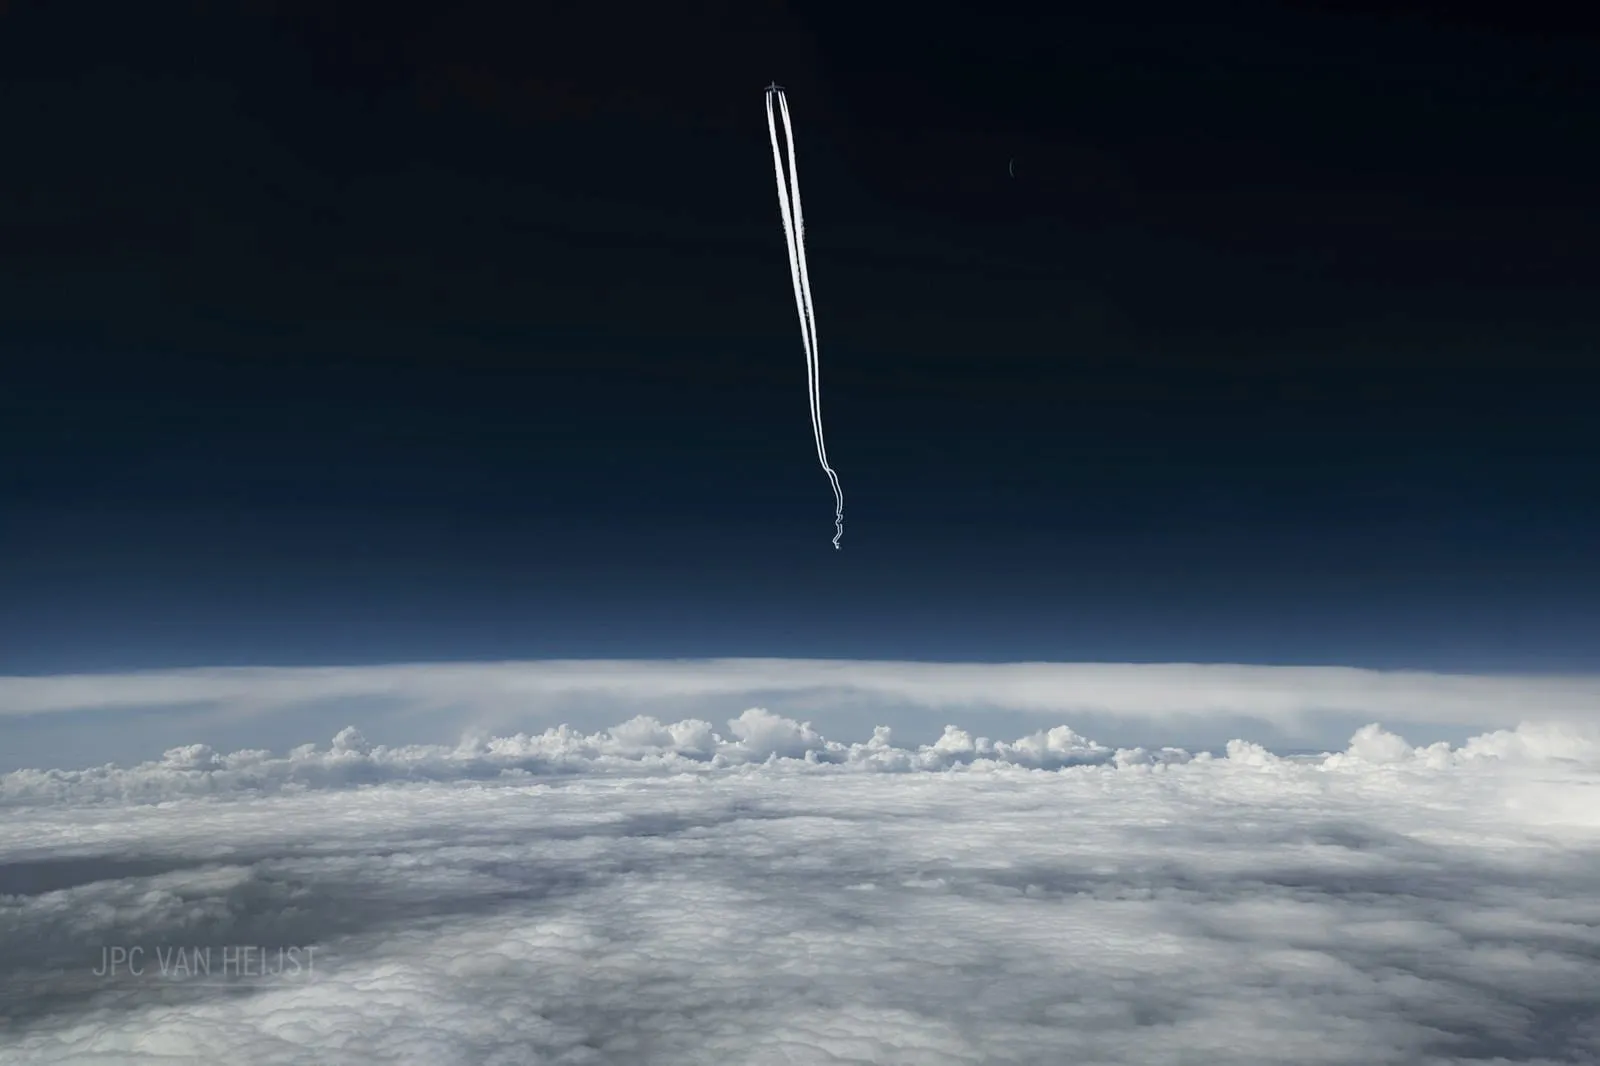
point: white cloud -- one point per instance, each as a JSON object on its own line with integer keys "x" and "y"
{"x": 759, "y": 893}
{"x": 1155, "y": 691}
{"x": 641, "y": 746}
{"x": 82, "y": 720}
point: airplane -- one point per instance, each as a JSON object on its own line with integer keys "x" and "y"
{"x": 774, "y": 88}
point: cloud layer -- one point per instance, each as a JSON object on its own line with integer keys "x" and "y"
{"x": 758, "y": 893}
{"x": 1155, "y": 690}
{"x": 83, "y": 720}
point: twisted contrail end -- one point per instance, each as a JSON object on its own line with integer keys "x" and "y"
{"x": 794, "y": 231}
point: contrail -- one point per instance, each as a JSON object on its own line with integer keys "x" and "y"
{"x": 794, "y": 230}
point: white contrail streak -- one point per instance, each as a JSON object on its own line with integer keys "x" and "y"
{"x": 794, "y": 230}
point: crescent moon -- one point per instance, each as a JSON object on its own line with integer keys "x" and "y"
{"x": 1011, "y": 168}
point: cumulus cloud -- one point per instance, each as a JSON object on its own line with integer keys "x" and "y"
{"x": 756, "y": 892}
{"x": 643, "y": 745}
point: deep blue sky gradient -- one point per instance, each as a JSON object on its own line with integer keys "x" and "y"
{"x": 388, "y": 333}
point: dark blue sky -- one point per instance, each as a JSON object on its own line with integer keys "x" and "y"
{"x": 338, "y": 333}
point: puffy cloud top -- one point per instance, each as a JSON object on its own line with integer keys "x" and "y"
{"x": 686, "y": 894}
